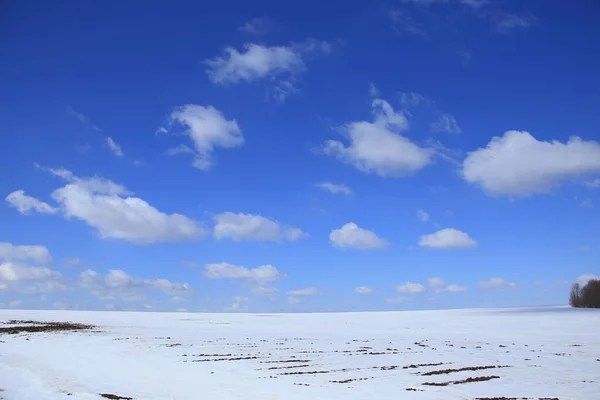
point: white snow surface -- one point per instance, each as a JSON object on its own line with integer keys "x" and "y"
{"x": 551, "y": 352}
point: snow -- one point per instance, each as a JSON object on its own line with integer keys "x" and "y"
{"x": 550, "y": 352}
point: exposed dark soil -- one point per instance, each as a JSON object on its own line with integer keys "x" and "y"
{"x": 290, "y": 366}
{"x": 468, "y": 380}
{"x": 37, "y": 326}
{"x": 114, "y": 396}
{"x": 422, "y": 365}
{"x": 449, "y": 371}
{"x": 227, "y": 359}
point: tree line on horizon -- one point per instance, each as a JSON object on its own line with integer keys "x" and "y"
{"x": 587, "y": 296}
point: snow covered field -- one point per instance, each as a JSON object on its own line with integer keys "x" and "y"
{"x": 528, "y": 353}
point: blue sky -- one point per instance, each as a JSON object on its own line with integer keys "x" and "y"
{"x": 337, "y": 156}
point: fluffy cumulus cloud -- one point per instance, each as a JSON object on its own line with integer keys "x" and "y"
{"x": 304, "y": 292}
{"x": 517, "y": 164}
{"x": 351, "y": 236}
{"x": 363, "y": 290}
{"x": 262, "y": 274}
{"x": 115, "y": 213}
{"x": 121, "y": 285}
{"x": 439, "y": 286}
{"x": 25, "y": 204}
{"x": 208, "y": 129}
{"x": 378, "y": 146}
{"x": 410, "y": 288}
{"x": 38, "y": 254}
{"x": 497, "y": 284}
{"x": 448, "y": 238}
{"x": 280, "y": 65}
{"x": 334, "y": 187}
{"x": 252, "y": 227}
{"x": 22, "y": 278}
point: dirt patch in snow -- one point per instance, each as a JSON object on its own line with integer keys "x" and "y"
{"x": 19, "y": 326}
{"x": 468, "y": 380}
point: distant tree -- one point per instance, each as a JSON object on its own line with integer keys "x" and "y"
{"x": 590, "y": 294}
{"x": 587, "y": 296}
{"x": 575, "y": 297}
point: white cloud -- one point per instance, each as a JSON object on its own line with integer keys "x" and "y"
{"x": 252, "y": 63}
{"x": 252, "y": 227}
{"x": 119, "y": 283}
{"x": 377, "y": 147}
{"x": 448, "y": 238}
{"x": 304, "y": 292}
{"x": 181, "y": 310}
{"x": 403, "y": 23}
{"x": 422, "y": 215}
{"x": 334, "y": 188}
{"x": 517, "y": 164}
{"x": 497, "y": 284}
{"x": 446, "y": 123}
{"x": 22, "y": 278}
{"x": 102, "y": 205}
{"x": 208, "y": 129}
{"x": 264, "y": 273}
{"x": 264, "y": 290}
{"x": 584, "y": 279}
{"x": 11, "y": 271}
{"x": 410, "y": 288}
{"x": 294, "y": 300}
{"x": 351, "y": 236}
{"x": 82, "y": 118}
{"x": 439, "y": 286}
{"x": 507, "y": 22}
{"x": 114, "y": 147}
{"x": 363, "y": 290}
{"x": 398, "y": 300}
{"x": 256, "y": 26}
{"x": 411, "y": 99}
{"x": 39, "y": 254}
{"x": 24, "y": 203}
{"x": 280, "y": 65}
{"x": 373, "y": 91}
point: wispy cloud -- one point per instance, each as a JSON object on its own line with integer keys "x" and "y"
{"x": 82, "y": 118}
{"x": 446, "y": 123}
{"x": 256, "y": 26}
{"x": 114, "y": 147}
{"x": 334, "y": 188}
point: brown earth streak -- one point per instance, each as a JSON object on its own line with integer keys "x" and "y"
{"x": 422, "y": 365}
{"x": 468, "y": 380}
{"x": 41, "y": 327}
{"x": 114, "y": 396}
{"x": 449, "y": 371}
